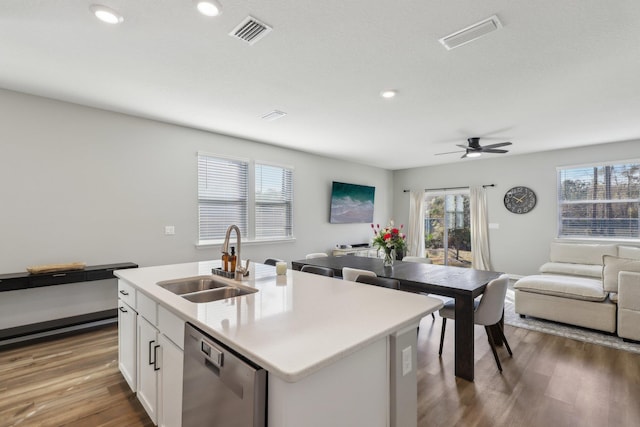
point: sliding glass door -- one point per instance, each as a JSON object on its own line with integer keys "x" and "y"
{"x": 448, "y": 227}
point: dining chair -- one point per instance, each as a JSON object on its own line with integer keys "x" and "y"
{"x": 352, "y": 274}
{"x": 316, "y": 269}
{"x": 316, "y": 255}
{"x": 488, "y": 312}
{"x": 272, "y": 261}
{"x": 422, "y": 260}
{"x": 379, "y": 281}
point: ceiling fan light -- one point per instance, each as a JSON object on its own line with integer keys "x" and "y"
{"x": 209, "y": 7}
{"x": 106, "y": 14}
{"x": 474, "y": 154}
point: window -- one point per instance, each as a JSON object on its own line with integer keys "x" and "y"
{"x": 222, "y": 196}
{"x": 599, "y": 201}
{"x": 258, "y": 198}
{"x": 274, "y": 199}
{"x": 447, "y": 228}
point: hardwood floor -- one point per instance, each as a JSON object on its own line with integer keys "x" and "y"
{"x": 70, "y": 381}
{"x": 550, "y": 381}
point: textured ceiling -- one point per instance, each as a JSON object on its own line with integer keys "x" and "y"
{"x": 558, "y": 74}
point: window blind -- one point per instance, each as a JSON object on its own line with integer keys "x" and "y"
{"x": 273, "y": 202}
{"x": 222, "y": 196}
{"x": 599, "y": 201}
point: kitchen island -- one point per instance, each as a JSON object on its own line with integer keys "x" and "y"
{"x": 337, "y": 353}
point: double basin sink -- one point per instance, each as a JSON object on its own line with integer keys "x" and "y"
{"x": 201, "y": 289}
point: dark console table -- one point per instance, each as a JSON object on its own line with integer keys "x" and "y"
{"x": 21, "y": 281}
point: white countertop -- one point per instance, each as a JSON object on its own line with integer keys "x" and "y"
{"x": 295, "y": 324}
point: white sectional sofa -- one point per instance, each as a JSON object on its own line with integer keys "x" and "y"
{"x": 595, "y": 286}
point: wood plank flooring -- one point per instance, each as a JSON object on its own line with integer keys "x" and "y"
{"x": 69, "y": 381}
{"x": 550, "y": 382}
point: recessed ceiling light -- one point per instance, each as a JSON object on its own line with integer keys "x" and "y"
{"x": 106, "y": 14}
{"x": 388, "y": 94}
{"x": 209, "y": 7}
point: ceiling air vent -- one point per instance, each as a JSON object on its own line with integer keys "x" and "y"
{"x": 273, "y": 115}
{"x": 471, "y": 33}
{"x": 250, "y": 30}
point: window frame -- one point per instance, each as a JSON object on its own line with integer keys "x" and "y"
{"x": 560, "y": 203}
{"x": 249, "y": 236}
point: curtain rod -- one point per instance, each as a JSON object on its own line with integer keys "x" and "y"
{"x": 449, "y": 188}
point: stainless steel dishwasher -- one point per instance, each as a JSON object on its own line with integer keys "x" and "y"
{"x": 220, "y": 387}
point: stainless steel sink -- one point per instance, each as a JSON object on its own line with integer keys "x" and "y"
{"x": 192, "y": 284}
{"x": 217, "y": 294}
{"x": 201, "y": 289}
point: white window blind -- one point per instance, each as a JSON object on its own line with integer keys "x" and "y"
{"x": 599, "y": 201}
{"x": 222, "y": 196}
{"x": 273, "y": 202}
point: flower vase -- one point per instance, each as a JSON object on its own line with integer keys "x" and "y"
{"x": 389, "y": 257}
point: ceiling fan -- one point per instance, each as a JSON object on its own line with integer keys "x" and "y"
{"x": 474, "y": 149}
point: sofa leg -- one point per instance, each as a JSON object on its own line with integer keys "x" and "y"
{"x": 522, "y": 316}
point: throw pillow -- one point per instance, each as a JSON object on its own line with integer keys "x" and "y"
{"x": 613, "y": 265}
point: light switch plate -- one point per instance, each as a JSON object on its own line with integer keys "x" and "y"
{"x": 494, "y": 225}
{"x": 169, "y": 230}
{"x": 406, "y": 361}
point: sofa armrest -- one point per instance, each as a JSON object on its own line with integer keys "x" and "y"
{"x": 629, "y": 305}
{"x": 629, "y": 290}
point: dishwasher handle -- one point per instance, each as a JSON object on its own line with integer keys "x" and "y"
{"x": 211, "y": 353}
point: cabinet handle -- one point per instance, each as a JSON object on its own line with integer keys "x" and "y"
{"x": 123, "y": 292}
{"x": 150, "y": 344}
{"x": 59, "y": 275}
{"x": 155, "y": 358}
{"x": 122, "y": 309}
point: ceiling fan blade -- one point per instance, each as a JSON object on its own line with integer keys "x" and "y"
{"x": 500, "y": 144}
{"x": 464, "y": 155}
{"x": 493, "y": 150}
{"x": 464, "y": 147}
{"x": 448, "y": 152}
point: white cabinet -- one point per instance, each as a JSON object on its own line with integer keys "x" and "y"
{"x": 170, "y": 383}
{"x": 127, "y": 345}
{"x": 148, "y": 348}
{"x": 159, "y": 362}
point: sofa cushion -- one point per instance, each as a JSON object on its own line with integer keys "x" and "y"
{"x": 632, "y": 252}
{"x": 614, "y": 265}
{"x": 580, "y": 253}
{"x": 582, "y": 288}
{"x": 588, "y": 270}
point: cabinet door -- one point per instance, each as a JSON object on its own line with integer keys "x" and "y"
{"x": 127, "y": 332}
{"x": 148, "y": 349}
{"x": 170, "y": 384}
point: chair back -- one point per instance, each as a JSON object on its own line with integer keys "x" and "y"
{"x": 379, "y": 281}
{"x": 491, "y": 306}
{"x": 352, "y": 274}
{"x": 421, "y": 259}
{"x": 316, "y": 255}
{"x": 315, "y": 269}
{"x": 272, "y": 261}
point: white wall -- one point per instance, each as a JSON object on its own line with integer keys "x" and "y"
{"x": 82, "y": 184}
{"x": 521, "y": 244}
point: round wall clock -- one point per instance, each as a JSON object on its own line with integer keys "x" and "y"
{"x": 520, "y": 200}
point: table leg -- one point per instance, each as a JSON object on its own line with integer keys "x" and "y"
{"x": 464, "y": 339}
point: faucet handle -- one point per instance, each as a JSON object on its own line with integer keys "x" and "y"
{"x": 242, "y": 271}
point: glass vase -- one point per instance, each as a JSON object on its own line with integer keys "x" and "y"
{"x": 389, "y": 257}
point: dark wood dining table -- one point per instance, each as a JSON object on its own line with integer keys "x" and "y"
{"x": 462, "y": 284}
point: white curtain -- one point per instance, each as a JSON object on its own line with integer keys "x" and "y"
{"x": 415, "y": 229}
{"x": 479, "y": 228}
